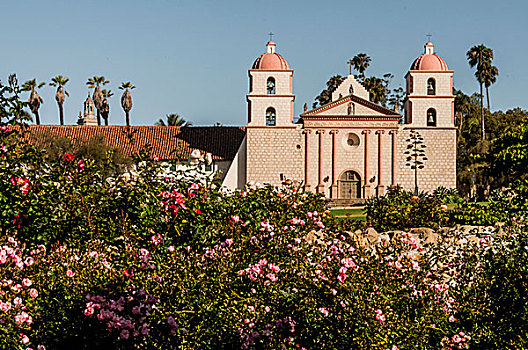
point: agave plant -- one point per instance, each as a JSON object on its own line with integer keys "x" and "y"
{"x": 59, "y": 81}
{"x": 126, "y": 99}
{"x": 105, "y": 106}
{"x": 96, "y": 82}
{"x": 34, "y": 99}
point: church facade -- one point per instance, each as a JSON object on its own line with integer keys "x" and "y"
{"x": 350, "y": 148}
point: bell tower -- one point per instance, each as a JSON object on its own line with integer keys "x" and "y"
{"x": 429, "y": 116}
{"x": 89, "y": 112}
{"x": 430, "y": 101}
{"x": 270, "y": 98}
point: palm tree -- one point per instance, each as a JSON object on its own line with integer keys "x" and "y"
{"x": 105, "y": 106}
{"x": 59, "y": 81}
{"x": 34, "y": 99}
{"x": 126, "y": 99}
{"x": 489, "y": 77}
{"x": 96, "y": 83}
{"x": 173, "y": 119}
{"x": 377, "y": 89}
{"x": 479, "y": 56}
{"x": 361, "y": 61}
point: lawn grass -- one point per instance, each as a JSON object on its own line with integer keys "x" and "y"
{"x": 347, "y": 212}
{"x": 359, "y": 214}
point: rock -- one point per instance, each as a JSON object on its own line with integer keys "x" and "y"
{"x": 314, "y": 237}
{"x": 444, "y": 230}
{"x": 431, "y": 238}
{"x": 472, "y": 238}
{"x": 391, "y": 234}
{"x": 370, "y": 231}
{"x": 470, "y": 229}
{"x": 422, "y": 232}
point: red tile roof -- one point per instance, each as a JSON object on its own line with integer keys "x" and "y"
{"x": 222, "y": 142}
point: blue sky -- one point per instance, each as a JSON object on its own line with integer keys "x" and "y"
{"x": 191, "y": 57}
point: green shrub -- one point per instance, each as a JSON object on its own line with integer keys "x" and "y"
{"x": 401, "y": 210}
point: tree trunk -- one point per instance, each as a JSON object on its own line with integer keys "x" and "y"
{"x": 98, "y": 117}
{"x": 37, "y": 118}
{"x": 127, "y": 119}
{"x": 61, "y": 115}
{"x": 482, "y": 113}
{"x": 487, "y": 97}
{"x": 481, "y": 97}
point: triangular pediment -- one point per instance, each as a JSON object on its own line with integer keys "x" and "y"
{"x": 350, "y": 106}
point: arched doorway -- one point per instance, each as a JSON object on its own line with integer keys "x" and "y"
{"x": 350, "y": 185}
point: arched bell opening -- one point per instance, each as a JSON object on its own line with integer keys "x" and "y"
{"x": 431, "y": 117}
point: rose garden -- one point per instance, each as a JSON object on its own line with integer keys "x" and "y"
{"x": 94, "y": 256}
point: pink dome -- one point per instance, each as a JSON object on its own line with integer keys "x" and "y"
{"x": 429, "y": 61}
{"x": 270, "y": 60}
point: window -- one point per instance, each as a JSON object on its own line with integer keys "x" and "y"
{"x": 431, "y": 87}
{"x": 270, "y": 86}
{"x": 270, "y": 116}
{"x": 431, "y": 117}
{"x": 352, "y": 140}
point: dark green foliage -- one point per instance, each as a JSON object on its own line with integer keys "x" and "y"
{"x": 326, "y": 95}
{"x": 485, "y": 165}
{"x": 402, "y": 210}
{"x": 502, "y": 207}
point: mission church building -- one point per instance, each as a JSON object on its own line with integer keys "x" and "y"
{"x": 349, "y": 148}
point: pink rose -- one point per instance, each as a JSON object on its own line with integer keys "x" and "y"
{"x": 89, "y": 311}
{"x": 69, "y": 273}
{"x": 5, "y": 307}
{"x": 33, "y": 293}
{"x": 26, "y": 282}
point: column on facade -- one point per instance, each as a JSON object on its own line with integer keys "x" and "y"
{"x": 381, "y": 187}
{"x": 306, "y": 132}
{"x": 333, "y": 187}
{"x": 394, "y": 164}
{"x": 320, "y": 186}
{"x": 366, "y": 186}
